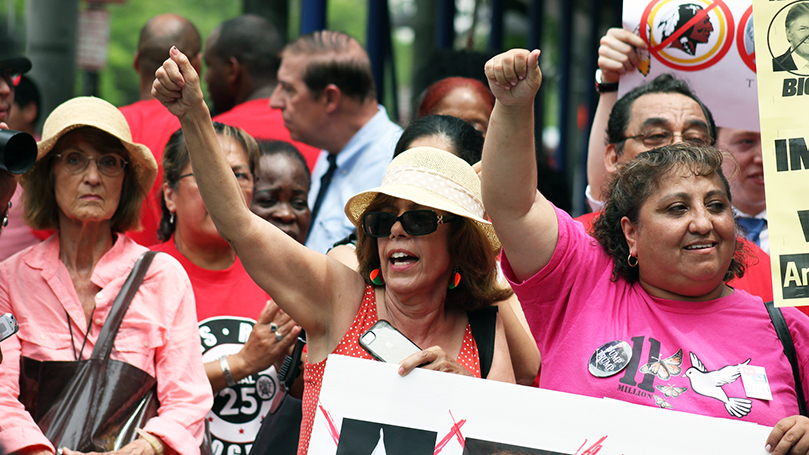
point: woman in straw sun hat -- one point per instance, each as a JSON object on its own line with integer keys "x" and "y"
{"x": 88, "y": 184}
{"x": 426, "y": 253}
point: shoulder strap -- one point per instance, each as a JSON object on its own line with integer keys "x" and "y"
{"x": 780, "y": 324}
{"x": 103, "y": 346}
{"x": 484, "y": 325}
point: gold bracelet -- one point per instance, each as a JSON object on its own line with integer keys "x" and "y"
{"x": 153, "y": 441}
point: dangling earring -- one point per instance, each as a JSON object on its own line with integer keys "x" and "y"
{"x": 629, "y": 260}
{"x": 5, "y": 215}
{"x": 171, "y": 218}
{"x": 376, "y": 277}
{"x": 456, "y": 278}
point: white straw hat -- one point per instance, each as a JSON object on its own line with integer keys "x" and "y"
{"x": 433, "y": 178}
{"x": 97, "y": 113}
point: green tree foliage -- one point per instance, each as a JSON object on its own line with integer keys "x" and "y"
{"x": 119, "y": 82}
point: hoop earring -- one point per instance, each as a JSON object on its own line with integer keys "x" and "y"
{"x": 456, "y": 279}
{"x": 376, "y": 277}
{"x": 630, "y": 262}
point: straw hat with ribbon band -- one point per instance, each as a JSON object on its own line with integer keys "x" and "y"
{"x": 433, "y": 178}
{"x": 97, "y": 113}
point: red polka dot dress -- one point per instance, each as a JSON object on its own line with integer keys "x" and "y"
{"x": 349, "y": 346}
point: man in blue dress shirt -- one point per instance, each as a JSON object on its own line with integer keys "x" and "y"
{"x": 327, "y": 95}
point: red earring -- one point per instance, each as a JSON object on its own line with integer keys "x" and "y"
{"x": 376, "y": 277}
{"x": 456, "y": 279}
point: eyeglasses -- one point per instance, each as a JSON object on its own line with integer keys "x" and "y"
{"x": 414, "y": 222}
{"x": 110, "y": 164}
{"x": 658, "y": 138}
{"x": 11, "y": 76}
{"x": 245, "y": 179}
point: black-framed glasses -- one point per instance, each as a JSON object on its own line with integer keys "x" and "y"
{"x": 110, "y": 164}
{"x": 414, "y": 222}
{"x": 245, "y": 179}
{"x": 659, "y": 138}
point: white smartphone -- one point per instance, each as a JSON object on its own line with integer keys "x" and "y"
{"x": 8, "y": 326}
{"x": 387, "y": 344}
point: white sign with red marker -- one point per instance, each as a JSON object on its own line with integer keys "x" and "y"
{"x": 708, "y": 43}
{"x": 366, "y": 406}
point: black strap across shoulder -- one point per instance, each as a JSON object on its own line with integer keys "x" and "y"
{"x": 484, "y": 325}
{"x": 780, "y": 324}
{"x": 121, "y": 304}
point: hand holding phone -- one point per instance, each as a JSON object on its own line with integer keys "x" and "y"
{"x": 387, "y": 344}
{"x": 8, "y": 326}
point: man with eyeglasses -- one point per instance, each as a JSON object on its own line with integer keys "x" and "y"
{"x": 616, "y": 57}
{"x": 660, "y": 112}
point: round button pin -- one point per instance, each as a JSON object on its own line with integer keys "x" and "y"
{"x": 610, "y": 359}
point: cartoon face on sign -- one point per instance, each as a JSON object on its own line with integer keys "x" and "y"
{"x": 688, "y": 36}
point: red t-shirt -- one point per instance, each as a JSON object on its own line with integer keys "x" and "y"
{"x": 229, "y": 292}
{"x": 151, "y": 125}
{"x": 263, "y": 122}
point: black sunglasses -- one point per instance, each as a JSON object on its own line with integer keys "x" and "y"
{"x": 414, "y": 222}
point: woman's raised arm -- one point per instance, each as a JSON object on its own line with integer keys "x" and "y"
{"x": 305, "y": 284}
{"x": 524, "y": 220}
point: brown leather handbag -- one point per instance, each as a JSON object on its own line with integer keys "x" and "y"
{"x": 92, "y": 405}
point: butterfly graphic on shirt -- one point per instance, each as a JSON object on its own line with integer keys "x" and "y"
{"x": 670, "y": 390}
{"x": 665, "y": 368}
{"x": 663, "y": 404}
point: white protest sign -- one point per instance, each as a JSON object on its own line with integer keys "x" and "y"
{"x": 366, "y": 407}
{"x": 709, "y": 44}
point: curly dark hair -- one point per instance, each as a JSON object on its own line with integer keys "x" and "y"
{"x": 635, "y": 181}
{"x": 622, "y": 110}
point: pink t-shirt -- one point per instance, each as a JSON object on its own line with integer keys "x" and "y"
{"x": 17, "y": 236}
{"x": 685, "y": 355}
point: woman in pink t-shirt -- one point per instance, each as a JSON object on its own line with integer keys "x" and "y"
{"x": 650, "y": 297}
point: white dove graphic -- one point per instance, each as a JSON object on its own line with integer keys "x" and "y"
{"x": 709, "y": 384}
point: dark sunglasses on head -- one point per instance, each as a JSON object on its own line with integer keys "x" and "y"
{"x": 414, "y": 222}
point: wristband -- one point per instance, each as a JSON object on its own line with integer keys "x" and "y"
{"x": 153, "y": 441}
{"x": 604, "y": 87}
{"x": 223, "y": 363}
